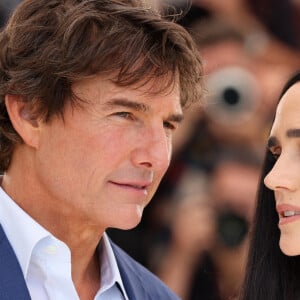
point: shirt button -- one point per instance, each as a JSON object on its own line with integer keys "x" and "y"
{"x": 51, "y": 250}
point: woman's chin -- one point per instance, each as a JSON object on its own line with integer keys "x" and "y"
{"x": 289, "y": 249}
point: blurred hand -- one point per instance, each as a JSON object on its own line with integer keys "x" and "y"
{"x": 193, "y": 228}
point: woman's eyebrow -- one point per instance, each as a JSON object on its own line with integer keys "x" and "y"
{"x": 290, "y": 133}
{"x": 295, "y": 133}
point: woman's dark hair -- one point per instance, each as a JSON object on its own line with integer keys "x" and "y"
{"x": 48, "y": 45}
{"x": 270, "y": 274}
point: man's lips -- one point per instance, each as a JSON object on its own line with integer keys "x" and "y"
{"x": 136, "y": 185}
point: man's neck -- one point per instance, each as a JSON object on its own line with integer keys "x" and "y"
{"x": 86, "y": 278}
{"x": 81, "y": 237}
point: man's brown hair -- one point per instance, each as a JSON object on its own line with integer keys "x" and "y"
{"x": 48, "y": 45}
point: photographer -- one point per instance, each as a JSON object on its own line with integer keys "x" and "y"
{"x": 209, "y": 233}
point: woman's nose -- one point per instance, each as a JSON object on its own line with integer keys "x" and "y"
{"x": 283, "y": 175}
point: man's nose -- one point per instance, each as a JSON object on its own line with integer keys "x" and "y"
{"x": 153, "y": 151}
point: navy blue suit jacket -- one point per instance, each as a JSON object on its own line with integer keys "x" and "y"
{"x": 139, "y": 283}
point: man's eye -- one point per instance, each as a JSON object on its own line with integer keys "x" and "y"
{"x": 125, "y": 115}
{"x": 169, "y": 125}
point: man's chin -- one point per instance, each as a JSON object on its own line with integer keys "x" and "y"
{"x": 130, "y": 220}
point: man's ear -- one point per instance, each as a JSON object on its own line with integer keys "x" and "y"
{"x": 21, "y": 117}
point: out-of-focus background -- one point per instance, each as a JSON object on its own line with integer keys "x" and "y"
{"x": 194, "y": 234}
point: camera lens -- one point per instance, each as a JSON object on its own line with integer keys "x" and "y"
{"x": 233, "y": 95}
{"x": 232, "y": 229}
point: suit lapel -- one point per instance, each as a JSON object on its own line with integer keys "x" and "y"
{"x": 132, "y": 282}
{"x": 12, "y": 283}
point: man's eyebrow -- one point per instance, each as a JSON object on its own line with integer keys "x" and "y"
{"x": 126, "y": 103}
{"x": 178, "y": 118}
{"x": 123, "y": 102}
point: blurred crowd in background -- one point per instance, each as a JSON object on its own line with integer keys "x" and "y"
{"x": 194, "y": 234}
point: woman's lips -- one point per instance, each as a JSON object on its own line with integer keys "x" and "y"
{"x": 287, "y": 213}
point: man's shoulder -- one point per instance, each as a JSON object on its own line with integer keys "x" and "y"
{"x": 141, "y": 279}
{"x": 12, "y": 282}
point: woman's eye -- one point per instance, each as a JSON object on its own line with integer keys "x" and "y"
{"x": 274, "y": 155}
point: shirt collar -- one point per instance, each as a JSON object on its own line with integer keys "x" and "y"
{"x": 110, "y": 273}
{"x": 22, "y": 231}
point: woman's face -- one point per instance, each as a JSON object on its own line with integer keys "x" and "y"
{"x": 284, "y": 177}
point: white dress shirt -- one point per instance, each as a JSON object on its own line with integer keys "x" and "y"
{"x": 46, "y": 261}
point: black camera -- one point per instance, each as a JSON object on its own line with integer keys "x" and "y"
{"x": 232, "y": 228}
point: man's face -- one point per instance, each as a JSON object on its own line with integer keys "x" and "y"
{"x": 104, "y": 161}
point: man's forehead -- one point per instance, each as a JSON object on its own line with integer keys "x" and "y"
{"x": 100, "y": 86}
